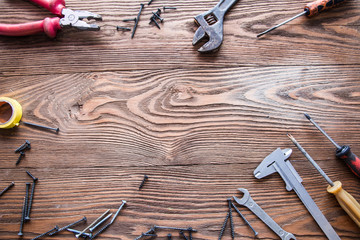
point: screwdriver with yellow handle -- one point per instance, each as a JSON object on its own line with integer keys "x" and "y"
{"x": 346, "y": 201}
{"x": 310, "y": 10}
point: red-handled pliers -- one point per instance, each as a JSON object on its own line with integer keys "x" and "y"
{"x": 69, "y": 18}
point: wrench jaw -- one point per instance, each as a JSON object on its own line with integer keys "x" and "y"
{"x": 205, "y": 31}
{"x": 244, "y": 199}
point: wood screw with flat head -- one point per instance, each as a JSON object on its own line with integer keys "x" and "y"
{"x": 22, "y": 154}
{"x": 7, "y": 188}
{"x": 143, "y": 181}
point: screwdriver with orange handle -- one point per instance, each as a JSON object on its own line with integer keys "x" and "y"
{"x": 310, "y": 10}
{"x": 342, "y": 152}
{"x": 346, "y": 201}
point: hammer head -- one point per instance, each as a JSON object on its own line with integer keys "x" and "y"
{"x": 267, "y": 166}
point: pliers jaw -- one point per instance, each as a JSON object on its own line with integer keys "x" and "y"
{"x": 74, "y": 19}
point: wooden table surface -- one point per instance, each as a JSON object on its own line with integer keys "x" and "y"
{"x": 198, "y": 125}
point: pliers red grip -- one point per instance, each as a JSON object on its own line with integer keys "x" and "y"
{"x": 50, "y": 26}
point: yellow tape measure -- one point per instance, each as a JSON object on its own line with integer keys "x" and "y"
{"x": 10, "y": 112}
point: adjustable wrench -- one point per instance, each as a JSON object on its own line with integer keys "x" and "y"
{"x": 248, "y": 202}
{"x": 276, "y": 162}
{"x": 211, "y": 25}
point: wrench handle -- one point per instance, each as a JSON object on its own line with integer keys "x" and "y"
{"x": 54, "y": 6}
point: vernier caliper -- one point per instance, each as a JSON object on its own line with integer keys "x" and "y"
{"x": 277, "y": 162}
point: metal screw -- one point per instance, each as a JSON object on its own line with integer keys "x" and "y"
{"x": 7, "y": 188}
{"x": 68, "y": 226}
{"x": 101, "y": 230}
{"x": 26, "y": 199}
{"x": 123, "y": 28}
{"x": 246, "y": 221}
{"x": 164, "y": 8}
{"x": 137, "y": 20}
{"x": 152, "y": 19}
{"x": 46, "y": 233}
{"x": 143, "y": 181}
{"x": 148, "y": 232}
{"x": 30, "y": 175}
{"x": 183, "y": 235}
{"x": 40, "y": 126}
{"x": 77, "y": 232}
{"x": 100, "y": 222}
{"x": 169, "y": 236}
{"x": 118, "y": 211}
{"x": 224, "y": 225}
{"x": 22, "y": 154}
{"x": 27, "y": 217}
{"x": 174, "y": 228}
{"x": 149, "y": 2}
{"x": 158, "y": 17}
{"x": 23, "y": 146}
{"x": 129, "y": 20}
{"x": 190, "y": 233}
{"x": 92, "y": 224}
{"x": 22, "y": 218}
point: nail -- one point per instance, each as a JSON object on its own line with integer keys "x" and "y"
{"x": 100, "y": 222}
{"x": 149, "y": 2}
{"x": 246, "y": 221}
{"x": 143, "y": 181}
{"x": 22, "y": 154}
{"x": 40, "y": 126}
{"x": 137, "y": 20}
{"x": 7, "y": 188}
{"x": 158, "y": 17}
{"x": 123, "y": 28}
{"x": 129, "y": 20}
{"x": 27, "y": 217}
{"x": 46, "y": 233}
{"x": 68, "y": 226}
{"x": 154, "y": 21}
{"x": 22, "y": 218}
{"x": 77, "y": 232}
{"x": 92, "y": 224}
{"x": 118, "y": 211}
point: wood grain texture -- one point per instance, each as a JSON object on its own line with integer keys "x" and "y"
{"x": 197, "y": 125}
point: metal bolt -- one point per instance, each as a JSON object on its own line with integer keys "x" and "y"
{"x": 93, "y": 223}
{"x": 164, "y": 8}
{"x": 123, "y": 28}
{"x": 101, "y": 230}
{"x": 77, "y": 232}
{"x": 40, "y": 126}
{"x": 46, "y": 233}
{"x": 246, "y": 221}
{"x": 137, "y": 20}
{"x": 118, "y": 211}
{"x": 68, "y": 226}
{"x": 143, "y": 181}
{"x": 100, "y": 222}
{"x": 22, "y": 154}
{"x": 129, "y": 20}
{"x": 22, "y": 218}
{"x": 7, "y": 188}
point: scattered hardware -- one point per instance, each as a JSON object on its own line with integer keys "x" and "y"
{"x": 156, "y": 16}
{"x": 152, "y": 232}
{"x": 68, "y": 226}
{"x": 46, "y": 233}
{"x": 137, "y": 20}
{"x": 342, "y": 152}
{"x": 100, "y": 222}
{"x": 7, "y": 188}
{"x": 11, "y": 114}
{"x": 50, "y": 26}
{"x": 246, "y": 221}
{"x": 123, "y": 28}
{"x": 277, "y": 162}
{"x": 143, "y": 181}
{"x": 93, "y": 223}
{"x": 346, "y": 201}
{"x": 24, "y": 146}
{"x": 310, "y": 10}
{"x": 211, "y": 26}
{"x": 248, "y": 202}
{"x": 22, "y": 154}
{"x": 27, "y": 217}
